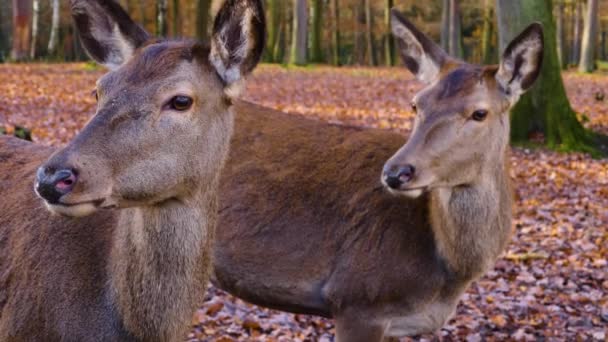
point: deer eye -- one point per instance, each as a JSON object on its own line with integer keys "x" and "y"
{"x": 479, "y": 115}
{"x": 180, "y": 103}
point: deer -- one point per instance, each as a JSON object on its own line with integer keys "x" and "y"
{"x": 110, "y": 238}
{"x": 308, "y": 227}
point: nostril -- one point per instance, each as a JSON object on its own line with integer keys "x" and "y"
{"x": 64, "y": 180}
{"x": 406, "y": 173}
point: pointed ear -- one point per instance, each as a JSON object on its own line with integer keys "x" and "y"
{"x": 107, "y": 32}
{"x": 420, "y": 54}
{"x": 237, "y": 43}
{"x": 521, "y": 62}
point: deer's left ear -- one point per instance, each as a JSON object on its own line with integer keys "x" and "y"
{"x": 237, "y": 43}
{"x": 521, "y": 62}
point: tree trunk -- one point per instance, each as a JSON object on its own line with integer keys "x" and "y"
{"x": 54, "y": 38}
{"x": 445, "y": 25}
{"x": 35, "y": 22}
{"x": 559, "y": 28}
{"x": 587, "y": 61}
{"x": 3, "y": 46}
{"x": 299, "y": 42}
{"x": 316, "y": 53}
{"x": 545, "y": 108}
{"x": 335, "y": 14}
{"x": 487, "y": 51}
{"x": 176, "y": 19}
{"x": 603, "y": 52}
{"x": 455, "y": 36}
{"x": 22, "y": 13}
{"x": 389, "y": 43}
{"x": 161, "y": 18}
{"x": 274, "y": 27}
{"x": 576, "y": 35}
{"x": 369, "y": 33}
{"x": 203, "y": 9}
{"x": 359, "y": 35}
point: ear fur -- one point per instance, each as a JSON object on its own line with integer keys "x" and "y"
{"x": 107, "y": 32}
{"x": 238, "y": 40}
{"x": 522, "y": 61}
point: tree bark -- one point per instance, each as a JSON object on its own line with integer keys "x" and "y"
{"x": 35, "y": 24}
{"x": 161, "y": 18}
{"x": 299, "y": 43}
{"x": 389, "y": 43}
{"x": 203, "y": 9}
{"x": 274, "y": 27}
{"x": 455, "y": 35}
{"x": 176, "y": 19}
{"x": 22, "y": 13}
{"x": 587, "y": 62}
{"x": 369, "y": 33}
{"x": 316, "y": 53}
{"x": 487, "y": 51}
{"x": 576, "y": 35}
{"x": 545, "y": 108}
{"x": 559, "y": 28}
{"x": 335, "y": 14}
{"x": 53, "y": 39}
{"x": 445, "y": 25}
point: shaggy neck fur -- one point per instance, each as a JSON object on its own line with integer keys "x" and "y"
{"x": 472, "y": 222}
{"x": 159, "y": 264}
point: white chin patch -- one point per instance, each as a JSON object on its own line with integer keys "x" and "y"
{"x": 79, "y": 210}
{"x": 409, "y": 193}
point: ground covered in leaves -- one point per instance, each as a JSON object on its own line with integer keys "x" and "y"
{"x": 552, "y": 283}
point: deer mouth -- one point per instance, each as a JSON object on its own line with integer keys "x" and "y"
{"x": 411, "y": 192}
{"x": 76, "y": 209}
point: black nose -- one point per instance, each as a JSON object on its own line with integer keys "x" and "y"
{"x": 51, "y": 184}
{"x": 395, "y": 176}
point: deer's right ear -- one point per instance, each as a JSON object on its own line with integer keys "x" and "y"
{"x": 237, "y": 43}
{"x": 107, "y": 32}
{"x": 420, "y": 54}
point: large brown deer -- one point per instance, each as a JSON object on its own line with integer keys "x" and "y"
{"x": 308, "y": 228}
{"x": 152, "y": 153}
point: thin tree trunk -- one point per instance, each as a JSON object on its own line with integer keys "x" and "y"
{"x": 335, "y": 14}
{"x": 587, "y": 61}
{"x": 176, "y": 19}
{"x": 559, "y": 28}
{"x": 299, "y": 44}
{"x": 487, "y": 55}
{"x": 3, "y": 46}
{"x": 389, "y": 44}
{"x": 455, "y": 36}
{"x": 22, "y": 13}
{"x": 274, "y": 27}
{"x": 203, "y": 9}
{"x": 545, "y": 108}
{"x": 316, "y": 54}
{"x": 445, "y": 25}
{"x": 369, "y": 33}
{"x": 52, "y": 47}
{"x": 576, "y": 36}
{"x": 35, "y": 22}
{"x": 603, "y": 53}
{"x": 161, "y": 18}
{"x": 280, "y": 47}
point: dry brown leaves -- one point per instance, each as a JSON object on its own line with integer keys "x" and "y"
{"x": 551, "y": 283}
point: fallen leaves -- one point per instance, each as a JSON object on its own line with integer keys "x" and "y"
{"x": 552, "y": 282}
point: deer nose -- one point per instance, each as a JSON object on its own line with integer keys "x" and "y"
{"x": 51, "y": 184}
{"x": 395, "y": 176}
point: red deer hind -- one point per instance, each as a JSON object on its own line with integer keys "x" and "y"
{"x": 152, "y": 153}
{"x": 307, "y": 227}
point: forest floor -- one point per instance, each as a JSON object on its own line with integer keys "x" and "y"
{"x": 551, "y": 283}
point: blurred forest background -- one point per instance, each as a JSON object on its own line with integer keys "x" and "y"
{"x": 338, "y": 32}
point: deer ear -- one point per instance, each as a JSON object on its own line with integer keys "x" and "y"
{"x": 521, "y": 62}
{"x": 420, "y": 54}
{"x": 237, "y": 43}
{"x": 107, "y": 32}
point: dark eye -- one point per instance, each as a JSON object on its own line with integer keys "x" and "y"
{"x": 414, "y": 108}
{"x": 479, "y": 115}
{"x": 181, "y": 103}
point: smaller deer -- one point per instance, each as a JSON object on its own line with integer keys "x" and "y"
{"x": 153, "y": 153}
{"x": 307, "y": 227}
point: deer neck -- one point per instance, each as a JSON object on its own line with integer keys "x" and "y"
{"x": 472, "y": 222}
{"x": 159, "y": 264}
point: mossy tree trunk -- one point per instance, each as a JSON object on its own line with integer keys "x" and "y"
{"x": 335, "y": 14}
{"x": 545, "y": 108}
{"x": 389, "y": 43}
{"x": 316, "y": 53}
{"x": 487, "y": 50}
{"x": 274, "y": 29}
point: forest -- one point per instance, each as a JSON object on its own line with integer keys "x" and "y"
{"x": 336, "y": 62}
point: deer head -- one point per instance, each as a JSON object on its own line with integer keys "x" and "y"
{"x": 163, "y": 121}
{"x": 461, "y": 128}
